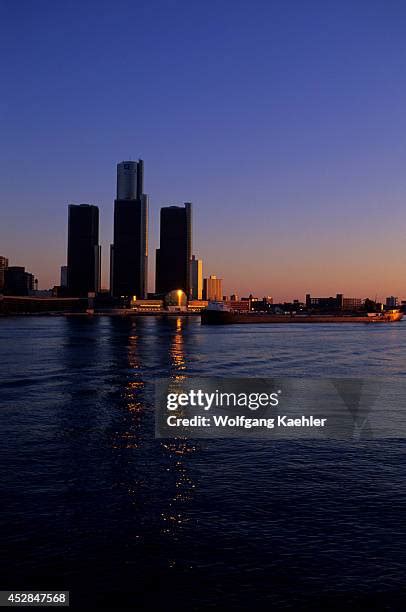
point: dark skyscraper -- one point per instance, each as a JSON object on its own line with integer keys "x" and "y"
{"x": 175, "y": 250}
{"x": 83, "y": 250}
{"x": 129, "y": 251}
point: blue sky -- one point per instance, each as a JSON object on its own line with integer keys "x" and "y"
{"x": 283, "y": 122}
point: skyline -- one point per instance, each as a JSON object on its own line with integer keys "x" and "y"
{"x": 152, "y": 263}
{"x": 290, "y": 117}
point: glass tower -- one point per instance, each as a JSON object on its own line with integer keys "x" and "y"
{"x": 175, "y": 248}
{"x": 129, "y": 251}
{"x": 83, "y": 274}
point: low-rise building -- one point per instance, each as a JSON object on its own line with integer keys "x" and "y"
{"x": 239, "y": 305}
{"x": 197, "y": 305}
{"x": 17, "y": 281}
{"x": 392, "y": 302}
{"x": 147, "y": 305}
{"x": 333, "y": 303}
{"x": 351, "y": 303}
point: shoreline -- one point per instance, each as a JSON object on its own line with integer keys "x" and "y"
{"x": 239, "y": 320}
{"x": 100, "y": 314}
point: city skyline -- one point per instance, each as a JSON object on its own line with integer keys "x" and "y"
{"x": 283, "y": 127}
{"x": 106, "y": 261}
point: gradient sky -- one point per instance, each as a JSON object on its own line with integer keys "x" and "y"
{"x": 283, "y": 122}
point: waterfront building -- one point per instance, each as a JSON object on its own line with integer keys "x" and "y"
{"x": 147, "y": 305}
{"x": 84, "y": 261}
{"x": 238, "y": 305}
{"x": 197, "y": 305}
{"x": 17, "y": 281}
{"x": 213, "y": 289}
{"x": 175, "y": 247}
{"x": 262, "y": 305}
{"x": 15, "y": 304}
{"x": 330, "y": 303}
{"x": 176, "y": 301}
{"x": 392, "y": 302}
{"x": 129, "y": 251}
{"x": 351, "y": 303}
{"x": 324, "y": 303}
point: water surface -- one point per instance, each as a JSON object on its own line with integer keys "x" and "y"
{"x": 91, "y": 502}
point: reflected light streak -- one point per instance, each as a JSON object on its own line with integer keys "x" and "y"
{"x": 175, "y": 517}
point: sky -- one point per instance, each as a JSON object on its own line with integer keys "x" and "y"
{"x": 283, "y": 122}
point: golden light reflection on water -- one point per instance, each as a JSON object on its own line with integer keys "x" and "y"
{"x": 178, "y": 486}
{"x": 176, "y": 515}
{"x": 177, "y": 352}
{"x": 131, "y": 394}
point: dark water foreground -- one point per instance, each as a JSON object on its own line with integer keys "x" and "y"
{"x": 91, "y": 502}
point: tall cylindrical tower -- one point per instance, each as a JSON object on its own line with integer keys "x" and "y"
{"x": 127, "y": 180}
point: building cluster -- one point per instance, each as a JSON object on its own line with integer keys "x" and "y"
{"x": 179, "y": 282}
{"x": 331, "y": 304}
{"x": 14, "y": 280}
{"x": 176, "y": 268}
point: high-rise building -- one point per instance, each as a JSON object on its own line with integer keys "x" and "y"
{"x": 17, "y": 281}
{"x": 175, "y": 249}
{"x": 3, "y": 268}
{"x": 129, "y": 251}
{"x": 196, "y": 278}
{"x": 64, "y": 276}
{"x": 83, "y": 250}
{"x": 213, "y": 289}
